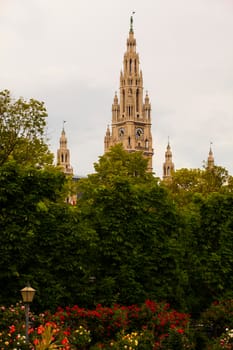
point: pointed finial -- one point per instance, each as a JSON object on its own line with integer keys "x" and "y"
{"x": 131, "y": 22}
{"x": 211, "y": 152}
{"x": 63, "y": 127}
{"x": 168, "y": 143}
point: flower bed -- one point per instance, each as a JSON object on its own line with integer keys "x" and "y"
{"x": 151, "y": 326}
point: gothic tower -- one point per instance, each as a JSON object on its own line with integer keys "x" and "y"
{"x": 63, "y": 154}
{"x": 131, "y": 116}
{"x": 168, "y": 165}
{"x": 210, "y": 159}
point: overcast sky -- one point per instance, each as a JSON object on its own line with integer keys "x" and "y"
{"x": 69, "y": 53}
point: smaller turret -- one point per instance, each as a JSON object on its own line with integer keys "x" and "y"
{"x": 107, "y": 139}
{"x": 168, "y": 165}
{"x": 147, "y": 107}
{"x": 63, "y": 154}
{"x": 210, "y": 159}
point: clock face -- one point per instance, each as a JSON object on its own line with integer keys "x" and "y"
{"x": 139, "y": 132}
{"x": 121, "y": 132}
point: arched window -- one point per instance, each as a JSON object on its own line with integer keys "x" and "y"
{"x": 137, "y": 100}
{"x": 123, "y": 100}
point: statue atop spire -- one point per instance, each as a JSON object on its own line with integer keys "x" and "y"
{"x": 131, "y": 22}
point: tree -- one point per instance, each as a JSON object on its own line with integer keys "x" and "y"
{"x": 204, "y": 198}
{"x": 136, "y": 225}
{"x": 22, "y": 131}
{"x": 61, "y": 255}
{"x": 215, "y": 180}
{"x": 187, "y": 182}
{"x": 24, "y": 192}
{"x": 214, "y": 245}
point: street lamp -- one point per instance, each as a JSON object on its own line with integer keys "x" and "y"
{"x": 27, "y": 294}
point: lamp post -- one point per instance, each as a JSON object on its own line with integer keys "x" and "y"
{"x": 27, "y": 294}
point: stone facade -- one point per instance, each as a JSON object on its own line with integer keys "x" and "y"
{"x": 131, "y": 116}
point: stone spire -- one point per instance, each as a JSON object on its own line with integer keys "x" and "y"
{"x": 168, "y": 165}
{"x": 131, "y": 113}
{"x": 63, "y": 154}
{"x": 107, "y": 140}
{"x": 210, "y": 159}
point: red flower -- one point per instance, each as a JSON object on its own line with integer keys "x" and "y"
{"x": 40, "y": 329}
{"x": 180, "y": 330}
{"x": 31, "y": 330}
{"x": 35, "y": 341}
{"x": 67, "y": 332}
{"x": 64, "y": 341}
{"x": 12, "y": 329}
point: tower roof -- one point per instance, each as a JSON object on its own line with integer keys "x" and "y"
{"x": 63, "y": 138}
{"x": 63, "y": 153}
{"x": 168, "y": 151}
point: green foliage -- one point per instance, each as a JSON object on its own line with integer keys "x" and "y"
{"x": 25, "y": 192}
{"x": 22, "y": 131}
{"x": 188, "y": 182}
{"x": 136, "y": 223}
{"x": 218, "y": 317}
{"x": 176, "y": 339}
{"x": 204, "y": 198}
{"x": 80, "y": 337}
{"x": 119, "y": 163}
{"x": 208, "y": 248}
{"x": 62, "y": 250}
{"x": 129, "y": 238}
